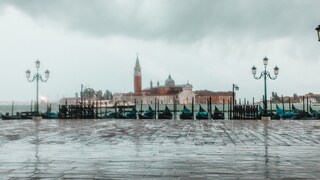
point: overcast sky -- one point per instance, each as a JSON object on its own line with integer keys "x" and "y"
{"x": 211, "y": 44}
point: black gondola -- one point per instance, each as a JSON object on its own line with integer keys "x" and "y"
{"x": 202, "y": 114}
{"x": 217, "y": 114}
{"x": 186, "y": 113}
{"x": 166, "y": 114}
{"x": 8, "y": 117}
{"x": 128, "y": 115}
{"x": 300, "y": 113}
{"x": 148, "y": 114}
{"x": 315, "y": 114}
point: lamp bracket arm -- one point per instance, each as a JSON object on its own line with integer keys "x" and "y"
{"x": 259, "y": 76}
{"x": 42, "y": 80}
{"x": 272, "y": 78}
{"x": 31, "y": 80}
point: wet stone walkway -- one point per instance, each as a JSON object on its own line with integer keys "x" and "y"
{"x": 159, "y": 149}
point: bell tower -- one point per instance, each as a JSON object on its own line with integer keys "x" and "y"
{"x": 137, "y": 77}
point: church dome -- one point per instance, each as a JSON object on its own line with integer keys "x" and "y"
{"x": 169, "y": 81}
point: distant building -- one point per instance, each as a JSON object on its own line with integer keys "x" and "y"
{"x": 164, "y": 94}
{"x": 202, "y": 97}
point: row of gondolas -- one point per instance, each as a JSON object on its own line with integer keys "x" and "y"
{"x": 293, "y": 113}
{"x": 28, "y": 115}
{"x": 186, "y": 113}
{"x": 122, "y": 114}
{"x": 165, "y": 114}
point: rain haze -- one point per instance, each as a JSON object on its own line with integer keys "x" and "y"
{"x": 211, "y": 44}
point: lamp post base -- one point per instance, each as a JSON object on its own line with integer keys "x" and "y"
{"x": 37, "y": 118}
{"x": 265, "y": 118}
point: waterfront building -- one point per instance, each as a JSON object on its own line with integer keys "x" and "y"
{"x": 164, "y": 94}
{"x": 202, "y": 96}
{"x": 137, "y": 77}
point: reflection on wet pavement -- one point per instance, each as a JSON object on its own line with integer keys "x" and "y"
{"x": 157, "y": 149}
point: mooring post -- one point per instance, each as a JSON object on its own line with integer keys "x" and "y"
{"x": 229, "y": 113}
{"x": 210, "y": 104}
{"x": 115, "y": 109}
{"x": 223, "y": 107}
{"x": 282, "y": 104}
{"x": 155, "y": 108}
{"x": 192, "y": 107}
{"x": 289, "y": 104}
{"x": 141, "y": 107}
{"x": 307, "y": 104}
{"x": 270, "y": 105}
{"x": 303, "y": 103}
{"x": 97, "y": 109}
{"x": 175, "y": 109}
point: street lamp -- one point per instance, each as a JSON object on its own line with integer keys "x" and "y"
{"x": 37, "y": 77}
{"x": 234, "y": 87}
{"x": 265, "y": 74}
{"x": 318, "y": 32}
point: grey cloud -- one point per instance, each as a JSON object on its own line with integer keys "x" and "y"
{"x": 178, "y": 20}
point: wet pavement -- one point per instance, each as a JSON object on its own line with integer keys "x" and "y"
{"x": 159, "y": 149}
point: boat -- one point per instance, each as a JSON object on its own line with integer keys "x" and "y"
{"x": 127, "y": 115}
{"x": 274, "y": 116}
{"x": 148, "y": 114}
{"x": 166, "y": 114}
{"x": 27, "y": 114}
{"x": 186, "y": 113}
{"x": 8, "y": 117}
{"x": 285, "y": 115}
{"x": 217, "y": 114}
{"x": 300, "y": 113}
{"x": 109, "y": 115}
{"x": 12, "y": 117}
{"x": 315, "y": 114}
{"x": 50, "y": 115}
{"x": 202, "y": 114}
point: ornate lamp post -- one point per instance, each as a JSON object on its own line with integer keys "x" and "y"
{"x": 265, "y": 74}
{"x": 37, "y": 77}
{"x": 318, "y": 32}
{"x": 234, "y": 87}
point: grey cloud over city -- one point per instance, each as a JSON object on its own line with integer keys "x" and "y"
{"x": 177, "y": 20}
{"x": 212, "y": 44}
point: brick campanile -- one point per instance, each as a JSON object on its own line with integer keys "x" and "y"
{"x": 137, "y": 77}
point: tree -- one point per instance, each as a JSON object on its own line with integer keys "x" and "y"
{"x": 108, "y": 95}
{"x": 99, "y": 95}
{"x": 88, "y": 93}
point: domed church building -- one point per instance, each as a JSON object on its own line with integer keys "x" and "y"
{"x": 165, "y": 94}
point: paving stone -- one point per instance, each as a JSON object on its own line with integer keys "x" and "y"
{"x": 159, "y": 149}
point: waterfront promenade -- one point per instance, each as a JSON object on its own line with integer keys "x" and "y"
{"x": 159, "y": 149}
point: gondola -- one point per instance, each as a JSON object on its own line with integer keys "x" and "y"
{"x": 50, "y": 115}
{"x": 285, "y": 115}
{"x": 217, "y": 114}
{"x": 186, "y": 113}
{"x": 300, "y": 113}
{"x": 202, "y": 114}
{"x": 148, "y": 114}
{"x": 166, "y": 114}
{"x": 128, "y": 115}
{"x": 273, "y": 116}
{"x": 315, "y": 114}
{"x": 8, "y": 117}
